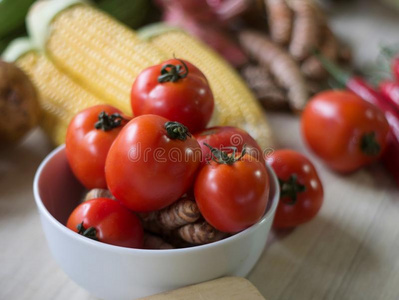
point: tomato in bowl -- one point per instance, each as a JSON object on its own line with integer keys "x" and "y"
{"x": 113, "y": 272}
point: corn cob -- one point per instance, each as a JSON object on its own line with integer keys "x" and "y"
{"x": 235, "y": 104}
{"x": 105, "y": 57}
{"x": 95, "y": 50}
{"x": 60, "y": 98}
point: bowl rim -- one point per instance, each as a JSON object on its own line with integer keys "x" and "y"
{"x": 43, "y": 211}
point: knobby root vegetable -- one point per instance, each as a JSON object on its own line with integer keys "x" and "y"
{"x": 98, "y": 193}
{"x": 174, "y": 226}
{"x": 281, "y": 65}
{"x": 280, "y": 18}
{"x": 185, "y": 236}
{"x": 154, "y": 228}
{"x": 19, "y": 107}
{"x": 155, "y": 242}
{"x": 203, "y": 23}
{"x": 312, "y": 67}
{"x": 305, "y": 32}
{"x": 181, "y": 212}
{"x": 200, "y": 233}
{"x": 263, "y": 85}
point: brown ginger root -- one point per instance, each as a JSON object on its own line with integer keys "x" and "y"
{"x": 281, "y": 65}
{"x": 19, "y": 106}
{"x": 200, "y": 233}
{"x": 280, "y": 18}
{"x": 98, "y": 193}
{"x": 153, "y": 227}
{"x": 312, "y": 67}
{"x": 154, "y": 242}
{"x": 263, "y": 85}
{"x": 306, "y": 29}
{"x": 181, "y": 212}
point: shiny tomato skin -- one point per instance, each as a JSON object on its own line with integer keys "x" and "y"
{"x": 222, "y": 137}
{"x": 333, "y": 125}
{"x": 87, "y": 147}
{"x": 145, "y": 169}
{"x": 290, "y": 212}
{"x": 232, "y": 197}
{"x": 188, "y": 101}
{"x": 114, "y": 223}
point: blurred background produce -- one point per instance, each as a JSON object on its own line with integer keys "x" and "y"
{"x": 277, "y": 36}
{"x": 13, "y": 12}
{"x": 269, "y": 42}
{"x": 132, "y": 13}
{"x": 19, "y": 107}
{"x": 12, "y": 20}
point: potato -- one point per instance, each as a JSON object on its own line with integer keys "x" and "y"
{"x": 19, "y": 107}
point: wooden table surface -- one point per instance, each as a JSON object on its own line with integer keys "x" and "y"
{"x": 349, "y": 251}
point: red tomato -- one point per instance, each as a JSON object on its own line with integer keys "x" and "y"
{"x": 89, "y": 137}
{"x": 176, "y": 90}
{"x": 301, "y": 194}
{"x": 152, "y": 163}
{"x": 107, "y": 221}
{"x": 225, "y": 137}
{"x": 344, "y": 130}
{"x": 232, "y": 194}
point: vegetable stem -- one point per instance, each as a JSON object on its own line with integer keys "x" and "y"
{"x": 176, "y": 130}
{"x": 340, "y": 75}
{"x": 173, "y": 73}
{"x": 90, "y": 232}
{"x": 290, "y": 188}
{"x": 222, "y": 157}
{"x": 369, "y": 144}
{"x": 108, "y": 122}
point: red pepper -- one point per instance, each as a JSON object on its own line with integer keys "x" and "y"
{"x": 390, "y": 89}
{"x": 393, "y": 55}
{"x": 363, "y": 89}
{"x": 395, "y": 67}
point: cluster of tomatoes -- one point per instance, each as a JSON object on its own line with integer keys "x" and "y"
{"x": 165, "y": 151}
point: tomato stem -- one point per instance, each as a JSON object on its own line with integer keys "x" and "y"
{"x": 387, "y": 52}
{"x": 90, "y": 232}
{"x": 222, "y": 157}
{"x": 290, "y": 188}
{"x": 369, "y": 144}
{"x": 108, "y": 122}
{"x": 177, "y": 131}
{"x": 173, "y": 73}
{"x": 340, "y": 75}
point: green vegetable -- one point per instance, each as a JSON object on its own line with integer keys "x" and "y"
{"x": 132, "y": 13}
{"x": 12, "y": 16}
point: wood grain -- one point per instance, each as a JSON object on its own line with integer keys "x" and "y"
{"x": 227, "y": 288}
{"x": 349, "y": 251}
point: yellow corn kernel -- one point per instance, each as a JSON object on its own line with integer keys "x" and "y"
{"x": 99, "y": 53}
{"x": 60, "y": 98}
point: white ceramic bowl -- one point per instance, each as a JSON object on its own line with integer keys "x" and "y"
{"x": 112, "y": 272}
